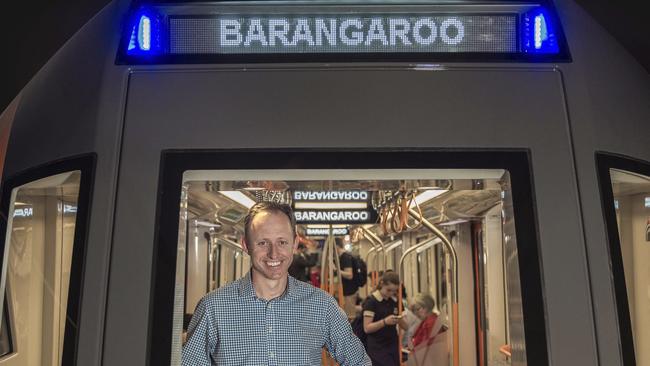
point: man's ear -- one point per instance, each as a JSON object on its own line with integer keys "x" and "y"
{"x": 244, "y": 245}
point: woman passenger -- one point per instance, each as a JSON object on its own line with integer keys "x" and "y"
{"x": 423, "y": 306}
{"x": 380, "y": 320}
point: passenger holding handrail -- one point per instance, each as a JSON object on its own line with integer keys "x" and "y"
{"x": 379, "y": 322}
{"x": 268, "y": 317}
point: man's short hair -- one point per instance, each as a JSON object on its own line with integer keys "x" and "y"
{"x": 271, "y": 207}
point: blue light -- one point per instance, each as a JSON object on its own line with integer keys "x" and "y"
{"x": 144, "y": 34}
{"x": 538, "y": 34}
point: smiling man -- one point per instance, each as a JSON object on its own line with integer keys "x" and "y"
{"x": 268, "y": 317}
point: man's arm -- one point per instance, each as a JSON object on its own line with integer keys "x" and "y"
{"x": 341, "y": 343}
{"x": 201, "y": 341}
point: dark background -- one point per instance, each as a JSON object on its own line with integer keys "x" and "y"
{"x": 31, "y": 31}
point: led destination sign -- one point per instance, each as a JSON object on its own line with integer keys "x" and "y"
{"x": 330, "y": 196}
{"x": 335, "y": 217}
{"x": 332, "y": 33}
{"x": 333, "y": 207}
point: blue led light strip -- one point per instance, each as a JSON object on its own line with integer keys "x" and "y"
{"x": 538, "y": 34}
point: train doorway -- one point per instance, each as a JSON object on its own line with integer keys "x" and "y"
{"x": 451, "y": 234}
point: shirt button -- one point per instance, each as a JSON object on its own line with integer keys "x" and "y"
{"x": 270, "y": 330}
{"x": 272, "y": 354}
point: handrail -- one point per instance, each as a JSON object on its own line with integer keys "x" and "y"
{"x": 229, "y": 243}
{"x": 370, "y": 284}
{"x": 400, "y": 295}
{"x": 452, "y": 251}
{"x": 371, "y": 236}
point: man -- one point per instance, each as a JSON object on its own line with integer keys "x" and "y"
{"x": 349, "y": 286}
{"x": 303, "y": 260}
{"x": 268, "y": 317}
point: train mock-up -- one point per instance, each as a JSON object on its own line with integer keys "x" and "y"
{"x": 494, "y": 154}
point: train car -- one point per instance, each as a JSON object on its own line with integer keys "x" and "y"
{"x": 493, "y": 153}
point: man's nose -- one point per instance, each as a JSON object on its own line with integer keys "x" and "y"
{"x": 273, "y": 250}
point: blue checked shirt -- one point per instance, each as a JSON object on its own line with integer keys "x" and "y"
{"x": 232, "y": 326}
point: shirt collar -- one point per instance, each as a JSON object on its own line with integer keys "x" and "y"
{"x": 246, "y": 289}
{"x": 378, "y": 297}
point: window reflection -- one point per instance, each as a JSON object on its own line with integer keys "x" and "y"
{"x": 631, "y": 196}
{"x": 40, "y": 237}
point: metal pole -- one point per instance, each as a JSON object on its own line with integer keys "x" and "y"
{"x": 380, "y": 244}
{"x": 416, "y": 215}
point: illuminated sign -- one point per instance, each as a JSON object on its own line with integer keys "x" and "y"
{"x": 329, "y": 207}
{"x": 325, "y": 231}
{"x": 24, "y": 212}
{"x": 343, "y": 33}
{"x": 343, "y": 216}
{"x": 330, "y": 196}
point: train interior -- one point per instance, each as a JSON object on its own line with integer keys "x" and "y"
{"x": 41, "y": 236}
{"x": 471, "y": 210}
{"x": 632, "y": 203}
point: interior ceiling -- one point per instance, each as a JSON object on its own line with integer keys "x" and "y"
{"x": 207, "y": 204}
{"x": 627, "y": 184}
{"x": 34, "y": 30}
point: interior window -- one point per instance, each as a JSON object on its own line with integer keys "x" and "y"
{"x": 631, "y": 193}
{"x": 470, "y": 209}
{"x": 38, "y": 251}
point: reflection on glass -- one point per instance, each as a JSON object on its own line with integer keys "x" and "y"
{"x": 474, "y": 209}
{"x": 631, "y": 191}
{"x": 40, "y": 236}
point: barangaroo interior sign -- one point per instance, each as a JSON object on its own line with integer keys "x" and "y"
{"x": 333, "y": 207}
{"x": 343, "y": 33}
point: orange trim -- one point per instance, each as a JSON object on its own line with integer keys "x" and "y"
{"x": 456, "y": 337}
{"x": 399, "y": 331}
{"x": 477, "y": 294}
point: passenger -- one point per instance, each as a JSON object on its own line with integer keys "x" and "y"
{"x": 268, "y": 317}
{"x": 303, "y": 260}
{"x": 412, "y": 321}
{"x": 423, "y": 306}
{"x": 349, "y": 286}
{"x": 380, "y": 320}
{"x": 314, "y": 276}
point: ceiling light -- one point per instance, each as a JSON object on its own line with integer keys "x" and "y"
{"x": 427, "y": 195}
{"x": 239, "y": 197}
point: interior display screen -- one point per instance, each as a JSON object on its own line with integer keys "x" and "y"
{"x": 343, "y": 33}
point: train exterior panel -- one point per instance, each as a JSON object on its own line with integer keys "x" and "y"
{"x": 123, "y": 118}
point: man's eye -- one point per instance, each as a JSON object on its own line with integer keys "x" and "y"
{"x": 284, "y": 242}
{"x": 262, "y": 243}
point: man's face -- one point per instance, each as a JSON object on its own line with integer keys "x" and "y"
{"x": 271, "y": 245}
